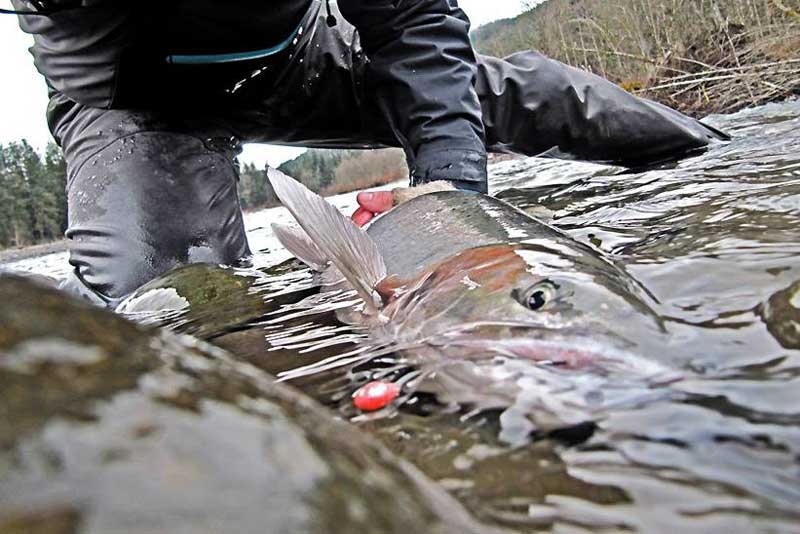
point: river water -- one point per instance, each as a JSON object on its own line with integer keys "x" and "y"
{"x": 714, "y": 240}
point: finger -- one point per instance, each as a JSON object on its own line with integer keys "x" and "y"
{"x": 375, "y": 201}
{"x": 362, "y": 216}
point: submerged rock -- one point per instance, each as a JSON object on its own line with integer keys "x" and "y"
{"x": 107, "y": 426}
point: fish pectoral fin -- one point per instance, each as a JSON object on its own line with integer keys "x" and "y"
{"x": 339, "y": 239}
{"x": 296, "y": 241}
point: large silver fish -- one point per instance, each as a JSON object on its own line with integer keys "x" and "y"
{"x": 496, "y": 308}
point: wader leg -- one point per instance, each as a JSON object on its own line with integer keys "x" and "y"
{"x": 530, "y": 105}
{"x": 534, "y": 105}
{"x": 143, "y": 197}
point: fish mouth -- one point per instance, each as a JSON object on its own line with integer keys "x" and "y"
{"x": 563, "y": 349}
{"x": 550, "y": 381}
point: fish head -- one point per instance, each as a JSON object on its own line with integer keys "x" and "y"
{"x": 499, "y": 300}
{"x": 492, "y": 328}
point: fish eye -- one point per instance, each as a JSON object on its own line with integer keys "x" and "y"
{"x": 538, "y": 295}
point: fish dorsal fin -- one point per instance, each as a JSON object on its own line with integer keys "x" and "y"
{"x": 296, "y": 241}
{"x": 346, "y": 245}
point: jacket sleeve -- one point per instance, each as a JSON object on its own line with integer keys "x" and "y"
{"x": 422, "y": 71}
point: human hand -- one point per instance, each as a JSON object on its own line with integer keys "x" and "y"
{"x": 372, "y": 203}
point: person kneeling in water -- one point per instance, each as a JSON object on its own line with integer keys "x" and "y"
{"x": 152, "y": 102}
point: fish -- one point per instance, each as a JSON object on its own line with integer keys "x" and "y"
{"x": 496, "y": 308}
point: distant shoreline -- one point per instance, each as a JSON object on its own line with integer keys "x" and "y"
{"x": 11, "y": 255}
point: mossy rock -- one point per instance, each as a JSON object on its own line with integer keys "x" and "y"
{"x": 208, "y": 300}
{"x": 107, "y": 426}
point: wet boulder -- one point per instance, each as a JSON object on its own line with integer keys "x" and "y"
{"x": 207, "y": 300}
{"x": 108, "y": 426}
{"x": 781, "y": 314}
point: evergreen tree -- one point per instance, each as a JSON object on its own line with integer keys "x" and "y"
{"x": 254, "y": 189}
{"x": 316, "y": 168}
{"x": 56, "y": 171}
{"x": 21, "y": 205}
{"x": 6, "y": 202}
{"x": 44, "y": 203}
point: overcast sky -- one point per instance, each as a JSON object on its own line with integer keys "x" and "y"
{"x": 23, "y": 96}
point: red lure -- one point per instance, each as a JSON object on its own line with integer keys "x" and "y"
{"x": 375, "y": 395}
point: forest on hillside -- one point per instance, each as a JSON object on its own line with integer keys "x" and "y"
{"x": 326, "y": 172}
{"x": 33, "y": 204}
